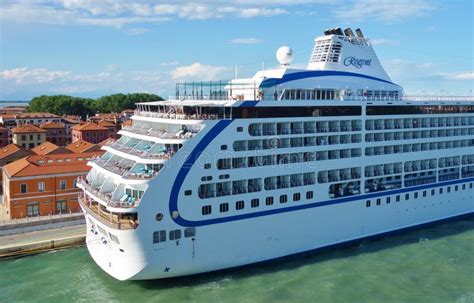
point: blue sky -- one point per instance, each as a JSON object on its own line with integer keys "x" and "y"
{"x": 96, "y": 47}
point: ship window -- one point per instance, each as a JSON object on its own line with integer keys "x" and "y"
{"x": 424, "y": 193}
{"x": 159, "y": 217}
{"x": 283, "y": 198}
{"x": 189, "y": 232}
{"x": 254, "y": 203}
{"x": 159, "y": 236}
{"x": 388, "y": 200}
{"x": 407, "y": 197}
{"x": 449, "y": 189}
{"x": 379, "y": 201}
{"x": 207, "y": 165}
{"x": 224, "y": 207}
{"x": 296, "y": 196}
{"x": 456, "y": 188}
{"x": 441, "y": 190}
{"x": 397, "y": 199}
{"x": 206, "y": 210}
{"x": 175, "y": 234}
{"x": 432, "y": 192}
{"x": 367, "y": 203}
{"x": 239, "y": 205}
{"x": 188, "y": 192}
{"x": 224, "y": 147}
{"x": 240, "y": 129}
{"x": 416, "y": 195}
{"x": 269, "y": 201}
{"x": 309, "y": 195}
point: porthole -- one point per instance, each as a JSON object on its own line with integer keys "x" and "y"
{"x": 159, "y": 217}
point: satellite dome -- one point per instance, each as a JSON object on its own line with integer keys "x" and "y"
{"x": 284, "y": 55}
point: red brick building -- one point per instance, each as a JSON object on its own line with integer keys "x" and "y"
{"x": 55, "y": 133}
{"x": 90, "y": 132}
{"x": 43, "y": 185}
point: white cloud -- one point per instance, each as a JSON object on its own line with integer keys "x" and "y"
{"x": 198, "y": 71}
{"x": 246, "y": 41}
{"x": 37, "y": 81}
{"x": 384, "y": 10}
{"x": 118, "y": 13}
{"x": 465, "y": 76}
{"x": 24, "y": 75}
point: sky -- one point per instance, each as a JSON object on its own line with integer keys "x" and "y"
{"x": 91, "y": 48}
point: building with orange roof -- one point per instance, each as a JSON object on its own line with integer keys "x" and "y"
{"x": 11, "y": 153}
{"x": 48, "y": 148}
{"x": 82, "y": 146}
{"x": 112, "y": 127}
{"x": 69, "y": 122}
{"x": 44, "y": 184}
{"x": 55, "y": 133}
{"x": 90, "y": 132}
{"x": 28, "y": 136}
{"x": 4, "y": 139}
{"x": 12, "y": 120}
{"x": 106, "y": 141}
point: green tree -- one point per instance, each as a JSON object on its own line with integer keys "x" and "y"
{"x": 68, "y": 105}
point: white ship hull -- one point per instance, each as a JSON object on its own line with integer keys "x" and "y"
{"x": 250, "y": 241}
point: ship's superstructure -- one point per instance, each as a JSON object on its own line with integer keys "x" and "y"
{"x": 236, "y": 172}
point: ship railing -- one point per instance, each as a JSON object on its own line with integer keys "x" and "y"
{"x": 144, "y": 154}
{"x": 108, "y": 218}
{"x": 437, "y": 98}
{"x": 107, "y": 197}
{"x": 162, "y": 134}
{"x": 176, "y": 116}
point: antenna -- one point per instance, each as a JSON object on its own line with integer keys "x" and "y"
{"x": 236, "y": 71}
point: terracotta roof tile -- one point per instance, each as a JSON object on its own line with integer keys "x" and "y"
{"x": 36, "y": 115}
{"x": 106, "y": 123}
{"x": 49, "y": 164}
{"x": 102, "y": 143}
{"x": 88, "y": 126}
{"x": 82, "y": 146}
{"x": 27, "y": 128}
{"x": 47, "y": 148}
{"x": 9, "y": 150}
{"x": 52, "y": 125}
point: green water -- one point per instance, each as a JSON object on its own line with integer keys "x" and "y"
{"x": 434, "y": 264}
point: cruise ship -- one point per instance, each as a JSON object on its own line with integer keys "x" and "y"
{"x": 236, "y": 172}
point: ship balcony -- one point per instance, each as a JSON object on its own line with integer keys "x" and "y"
{"x": 127, "y": 169}
{"x": 182, "y": 134}
{"x": 107, "y": 199}
{"x": 144, "y": 149}
{"x": 121, "y": 221}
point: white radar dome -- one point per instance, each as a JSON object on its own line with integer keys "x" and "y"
{"x": 284, "y": 55}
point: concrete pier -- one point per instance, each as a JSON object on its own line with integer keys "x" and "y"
{"x": 41, "y": 241}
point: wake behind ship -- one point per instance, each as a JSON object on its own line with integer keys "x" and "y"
{"x": 236, "y": 172}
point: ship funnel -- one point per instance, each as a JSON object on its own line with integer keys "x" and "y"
{"x": 339, "y": 31}
{"x": 348, "y": 32}
{"x": 359, "y": 33}
{"x": 326, "y": 32}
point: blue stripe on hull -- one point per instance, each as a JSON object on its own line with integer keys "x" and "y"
{"x": 213, "y": 133}
{"x": 270, "y": 82}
